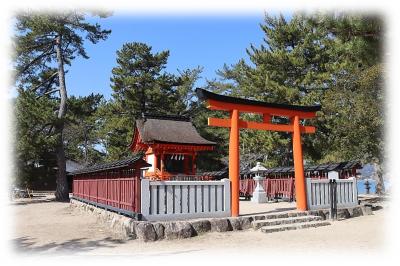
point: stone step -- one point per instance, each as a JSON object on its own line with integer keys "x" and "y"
{"x": 290, "y": 220}
{"x": 279, "y": 215}
{"x": 279, "y": 228}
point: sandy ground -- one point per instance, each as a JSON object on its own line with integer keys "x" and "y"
{"x": 48, "y": 227}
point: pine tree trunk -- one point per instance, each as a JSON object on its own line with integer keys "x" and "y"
{"x": 62, "y": 183}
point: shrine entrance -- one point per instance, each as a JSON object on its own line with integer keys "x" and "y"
{"x": 235, "y": 106}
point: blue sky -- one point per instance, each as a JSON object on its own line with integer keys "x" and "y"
{"x": 207, "y": 41}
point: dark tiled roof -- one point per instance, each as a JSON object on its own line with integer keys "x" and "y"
{"x": 71, "y": 166}
{"x": 112, "y": 165}
{"x": 223, "y": 173}
{"x": 169, "y": 129}
{"x": 204, "y": 95}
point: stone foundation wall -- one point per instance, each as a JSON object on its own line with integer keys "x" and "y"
{"x": 345, "y": 213}
{"x": 128, "y": 228}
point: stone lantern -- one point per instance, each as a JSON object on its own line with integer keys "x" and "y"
{"x": 259, "y": 194}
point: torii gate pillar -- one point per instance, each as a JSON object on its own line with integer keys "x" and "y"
{"x": 300, "y": 184}
{"x": 234, "y": 162}
{"x": 267, "y": 110}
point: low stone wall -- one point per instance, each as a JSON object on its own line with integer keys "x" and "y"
{"x": 127, "y": 228}
{"x": 345, "y": 213}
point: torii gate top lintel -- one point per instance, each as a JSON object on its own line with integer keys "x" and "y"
{"x": 235, "y": 106}
{"x": 227, "y": 103}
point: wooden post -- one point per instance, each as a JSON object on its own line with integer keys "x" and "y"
{"x": 234, "y": 162}
{"x": 186, "y": 169}
{"x": 162, "y": 166}
{"x": 301, "y": 195}
{"x": 194, "y": 163}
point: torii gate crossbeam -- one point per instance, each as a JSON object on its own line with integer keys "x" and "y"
{"x": 237, "y": 105}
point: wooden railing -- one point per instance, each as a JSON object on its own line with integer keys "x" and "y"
{"x": 190, "y": 178}
{"x": 318, "y": 193}
{"x": 119, "y": 190}
{"x": 175, "y": 200}
{"x": 275, "y": 187}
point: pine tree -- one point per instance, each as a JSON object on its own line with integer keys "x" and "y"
{"x": 328, "y": 59}
{"x": 140, "y": 86}
{"x": 82, "y": 127}
{"x": 44, "y": 45}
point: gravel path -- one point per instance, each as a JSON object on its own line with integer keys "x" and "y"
{"x": 49, "y": 227}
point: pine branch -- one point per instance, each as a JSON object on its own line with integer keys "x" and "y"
{"x": 34, "y": 61}
{"x": 49, "y": 79}
{"x": 47, "y": 93}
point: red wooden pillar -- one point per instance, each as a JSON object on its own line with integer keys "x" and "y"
{"x": 301, "y": 196}
{"x": 234, "y": 162}
{"x": 186, "y": 169}
{"x": 194, "y": 163}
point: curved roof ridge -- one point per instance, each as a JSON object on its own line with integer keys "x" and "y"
{"x": 203, "y": 94}
{"x": 169, "y": 131}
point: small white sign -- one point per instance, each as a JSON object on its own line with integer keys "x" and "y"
{"x": 333, "y": 175}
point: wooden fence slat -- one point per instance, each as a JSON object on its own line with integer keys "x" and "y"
{"x": 206, "y": 198}
{"x": 170, "y": 199}
{"x": 213, "y": 204}
{"x": 220, "y": 197}
{"x": 185, "y": 206}
{"x": 192, "y": 199}
{"x": 199, "y": 198}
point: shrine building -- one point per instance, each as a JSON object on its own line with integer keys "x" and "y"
{"x": 171, "y": 145}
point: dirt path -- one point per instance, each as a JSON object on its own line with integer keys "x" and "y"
{"x": 48, "y": 227}
{"x": 53, "y": 226}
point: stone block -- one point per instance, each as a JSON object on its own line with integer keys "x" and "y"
{"x": 259, "y": 217}
{"x": 127, "y": 229}
{"x": 236, "y": 223}
{"x": 367, "y": 210}
{"x": 132, "y": 229}
{"x": 343, "y": 214}
{"x": 356, "y": 211}
{"x": 177, "y": 230}
{"x": 145, "y": 231}
{"x": 220, "y": 225}
{"x": 159, "y": 228}
{"x": 201, "y": 226}
{"x": 246, "y": 222}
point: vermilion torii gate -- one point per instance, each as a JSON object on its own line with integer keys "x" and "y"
{"x": 236, "y": 105}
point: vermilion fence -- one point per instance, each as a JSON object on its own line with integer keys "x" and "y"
{"x": 275, "y": 187}
{"x": 118, "y": 189}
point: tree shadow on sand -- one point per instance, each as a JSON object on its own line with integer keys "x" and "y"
{"x": 28, "y": 245}
{"x": 32, "y": 201}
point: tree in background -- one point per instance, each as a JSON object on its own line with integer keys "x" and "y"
{"x": 353, "y": 107}
{"x": 289, "y": 65}
{"x": 328, "y": 59}
{"x": 141, "y": 85}
{"x": 81, "y": 131}
{"x": 44, "y": 45}
{"x": 35, "y": 140}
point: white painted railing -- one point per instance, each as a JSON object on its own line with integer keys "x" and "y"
{"x": 318, "y": 193}
{"x": 177, "y": 200}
